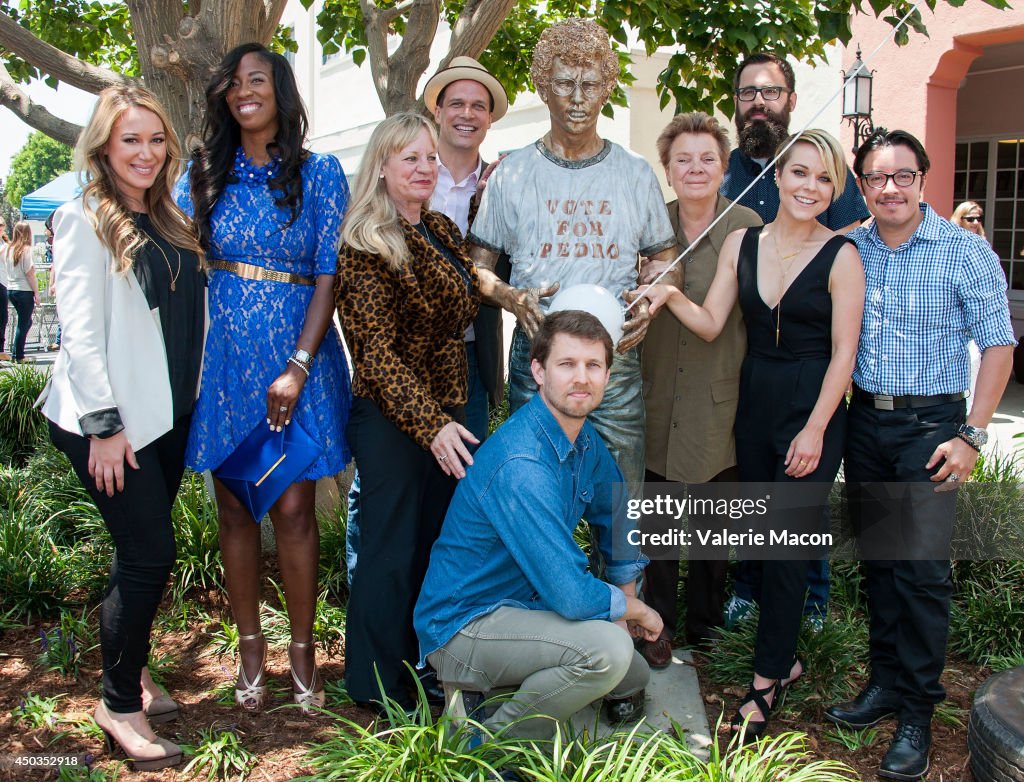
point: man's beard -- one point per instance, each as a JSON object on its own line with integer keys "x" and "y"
{"x": 760, "y": 138}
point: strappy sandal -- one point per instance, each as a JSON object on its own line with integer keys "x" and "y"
{"x": 751, "y": 730}
{"x": 309, "y": 701}
{"x": 252, "y": 695}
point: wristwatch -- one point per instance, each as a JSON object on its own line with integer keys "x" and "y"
{"x": 303, "y": 357}
{"x": 972, "y": 435}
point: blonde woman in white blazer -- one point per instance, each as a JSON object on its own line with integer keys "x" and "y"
{"x": 119, "y": 401}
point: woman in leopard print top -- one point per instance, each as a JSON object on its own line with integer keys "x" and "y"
{"x": 405, "y": 291}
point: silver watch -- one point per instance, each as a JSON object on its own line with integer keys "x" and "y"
{"x": 972, "y": 435}
{"x": 303, "y": 356}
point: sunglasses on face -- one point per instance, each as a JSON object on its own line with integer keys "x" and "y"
{"x": 973, "y": 219}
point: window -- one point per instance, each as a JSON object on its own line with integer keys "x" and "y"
{"x": 991, "y": 172}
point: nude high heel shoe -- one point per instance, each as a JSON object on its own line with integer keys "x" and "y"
{"x": 252, "y": 695}
{"x": 146, "y": 752}
{"x": 310, "y": 702}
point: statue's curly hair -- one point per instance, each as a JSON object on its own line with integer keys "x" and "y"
{"x": 575, "y": 42}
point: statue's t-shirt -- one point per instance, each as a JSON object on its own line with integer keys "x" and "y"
{"x": 573, "y": 221}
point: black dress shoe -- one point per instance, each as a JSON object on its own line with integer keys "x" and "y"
{"x": 907, "y": 757}
{"x": 869, "y": 708}
{"x": 622, "y": 710}
{"x": 431, "y": 686}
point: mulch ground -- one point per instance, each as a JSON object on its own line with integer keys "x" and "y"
{"x": 279, "y": 737}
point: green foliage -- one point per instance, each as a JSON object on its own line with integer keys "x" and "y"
{"x": 34, "y": 573}
{"x": 417, "y": 747}
{"x": 198, "y": 565}
{"x": 22, "y": 427}
{"x": 220, "y": 755}
{"x": 40, "y": 160}
{"x": 95, "y": 31}
{"x": 88, "y": 774}
{"x": 852, "y": 740}
{"x": 62, "y": 647}
{"x": 36, "y": 711}
{"x": 723, "y": 33}
{"x": 987, "y": 616}
{"x": 333, "y": 570}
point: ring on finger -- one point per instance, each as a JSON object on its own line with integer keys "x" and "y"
{"x": 442, "y": 458}
{"x": 952, "y": 478}
{"x": 283, "y": 408}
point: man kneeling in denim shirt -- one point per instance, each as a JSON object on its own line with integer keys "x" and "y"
{"x": 508, "y": 601}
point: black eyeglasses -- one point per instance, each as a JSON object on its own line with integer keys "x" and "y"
{"x": 878, "y": 180}
{"x": 973, "y": 219}
{"x": 747, "y": 94}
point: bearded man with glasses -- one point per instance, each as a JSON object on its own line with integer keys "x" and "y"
{"x": 931, "y": 287}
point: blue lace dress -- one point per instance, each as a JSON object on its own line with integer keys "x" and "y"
{"x": 254, "y": 324}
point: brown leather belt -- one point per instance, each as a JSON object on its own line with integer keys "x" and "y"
{"x": 889, "y": 402}
{"x": 248, "y": 271}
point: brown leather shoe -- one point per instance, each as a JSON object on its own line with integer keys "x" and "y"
{"x": 658, "y": 653}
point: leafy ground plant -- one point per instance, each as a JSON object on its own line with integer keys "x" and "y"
{"x": 36, "y": 712}
{"x": 220, "y": 755}
{"x": 22, "y": 427}
{"x": 62, "y": 647}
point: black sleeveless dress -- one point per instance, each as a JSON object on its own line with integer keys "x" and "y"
{"x": 780, "y": 383}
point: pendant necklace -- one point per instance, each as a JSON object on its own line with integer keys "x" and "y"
{"x": 172, "y": 273}
{"x": 782, "y": 283}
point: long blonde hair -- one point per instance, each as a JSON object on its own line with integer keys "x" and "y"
{"x": 831, "y": 153}
{"x": 371, "y": 224}
{"x": 102, "y": 201}
{"x": 960, "y": 213}
{"x": 22, "y": 240}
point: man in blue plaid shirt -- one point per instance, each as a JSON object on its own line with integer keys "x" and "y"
{"x": 931, "y": 287}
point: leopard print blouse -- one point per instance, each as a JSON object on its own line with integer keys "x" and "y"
{"x": 406, "y": 328}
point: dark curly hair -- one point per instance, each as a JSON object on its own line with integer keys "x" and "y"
{"x": 213, "y": 160}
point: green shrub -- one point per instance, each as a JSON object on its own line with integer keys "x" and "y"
{"x": 220, "y": 755}
{"x": 22, "y": 427}
{"x": 196, "y": 534}
{"x": 62, "y": 647}
{"x": 333, "y": 570}
{"x": 34, "y": 572}
{"x": 987, "y": 615}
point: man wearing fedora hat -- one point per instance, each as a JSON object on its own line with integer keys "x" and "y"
{"x": 465, "y": 99}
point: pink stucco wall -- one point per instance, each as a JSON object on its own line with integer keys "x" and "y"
{"x": 916, "y": 85}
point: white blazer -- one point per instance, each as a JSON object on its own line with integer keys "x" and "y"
{"x": 112, "y": 347}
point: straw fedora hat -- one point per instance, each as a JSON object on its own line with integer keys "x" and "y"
{"x": 466, "y": 68}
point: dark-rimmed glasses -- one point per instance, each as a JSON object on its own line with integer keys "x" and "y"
{"x": 878, "y": 179}
{"x": 771, "y": 92}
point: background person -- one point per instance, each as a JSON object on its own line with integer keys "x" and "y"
{"x": 690, "y": 385}
{"x": 801, "y": 349}
{"x": 4, "y": 241}
{"x": 22, "y": 286}
{"x": 406, "y": 292}
{"x": 269, "y": 213}
{"x": 970, "y": 216}
{"x": 123, "y": 386}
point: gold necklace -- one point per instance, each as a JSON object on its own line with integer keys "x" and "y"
{"x": 782, "y": 282}
{"x": 173, "y": 274}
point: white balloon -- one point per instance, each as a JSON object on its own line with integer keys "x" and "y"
{"x": 596, "y": 300}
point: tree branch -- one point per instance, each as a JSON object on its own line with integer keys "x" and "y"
{"x": 390, "y": 14}
{"x": 53, "y": 61}
{"x": 377, "y": 46}
{"x": 412, "y": 56}
{"x": 33, "y": 114}
{"x": 476, "y": 26}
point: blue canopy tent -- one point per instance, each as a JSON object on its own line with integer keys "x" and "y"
{"x": 38, "y": 204}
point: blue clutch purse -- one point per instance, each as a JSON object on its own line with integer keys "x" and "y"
{"x": 266, "y": 463}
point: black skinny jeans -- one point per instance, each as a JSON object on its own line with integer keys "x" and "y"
{"x": 24, "y": 302}
{"x": 139, "y": 521}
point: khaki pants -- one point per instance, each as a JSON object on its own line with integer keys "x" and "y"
{"x": 558, "y": 665}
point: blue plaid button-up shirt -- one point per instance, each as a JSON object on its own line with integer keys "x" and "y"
{"x": 924, "y": 301}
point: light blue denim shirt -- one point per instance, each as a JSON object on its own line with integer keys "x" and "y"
{"x": 508, "y": 537}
